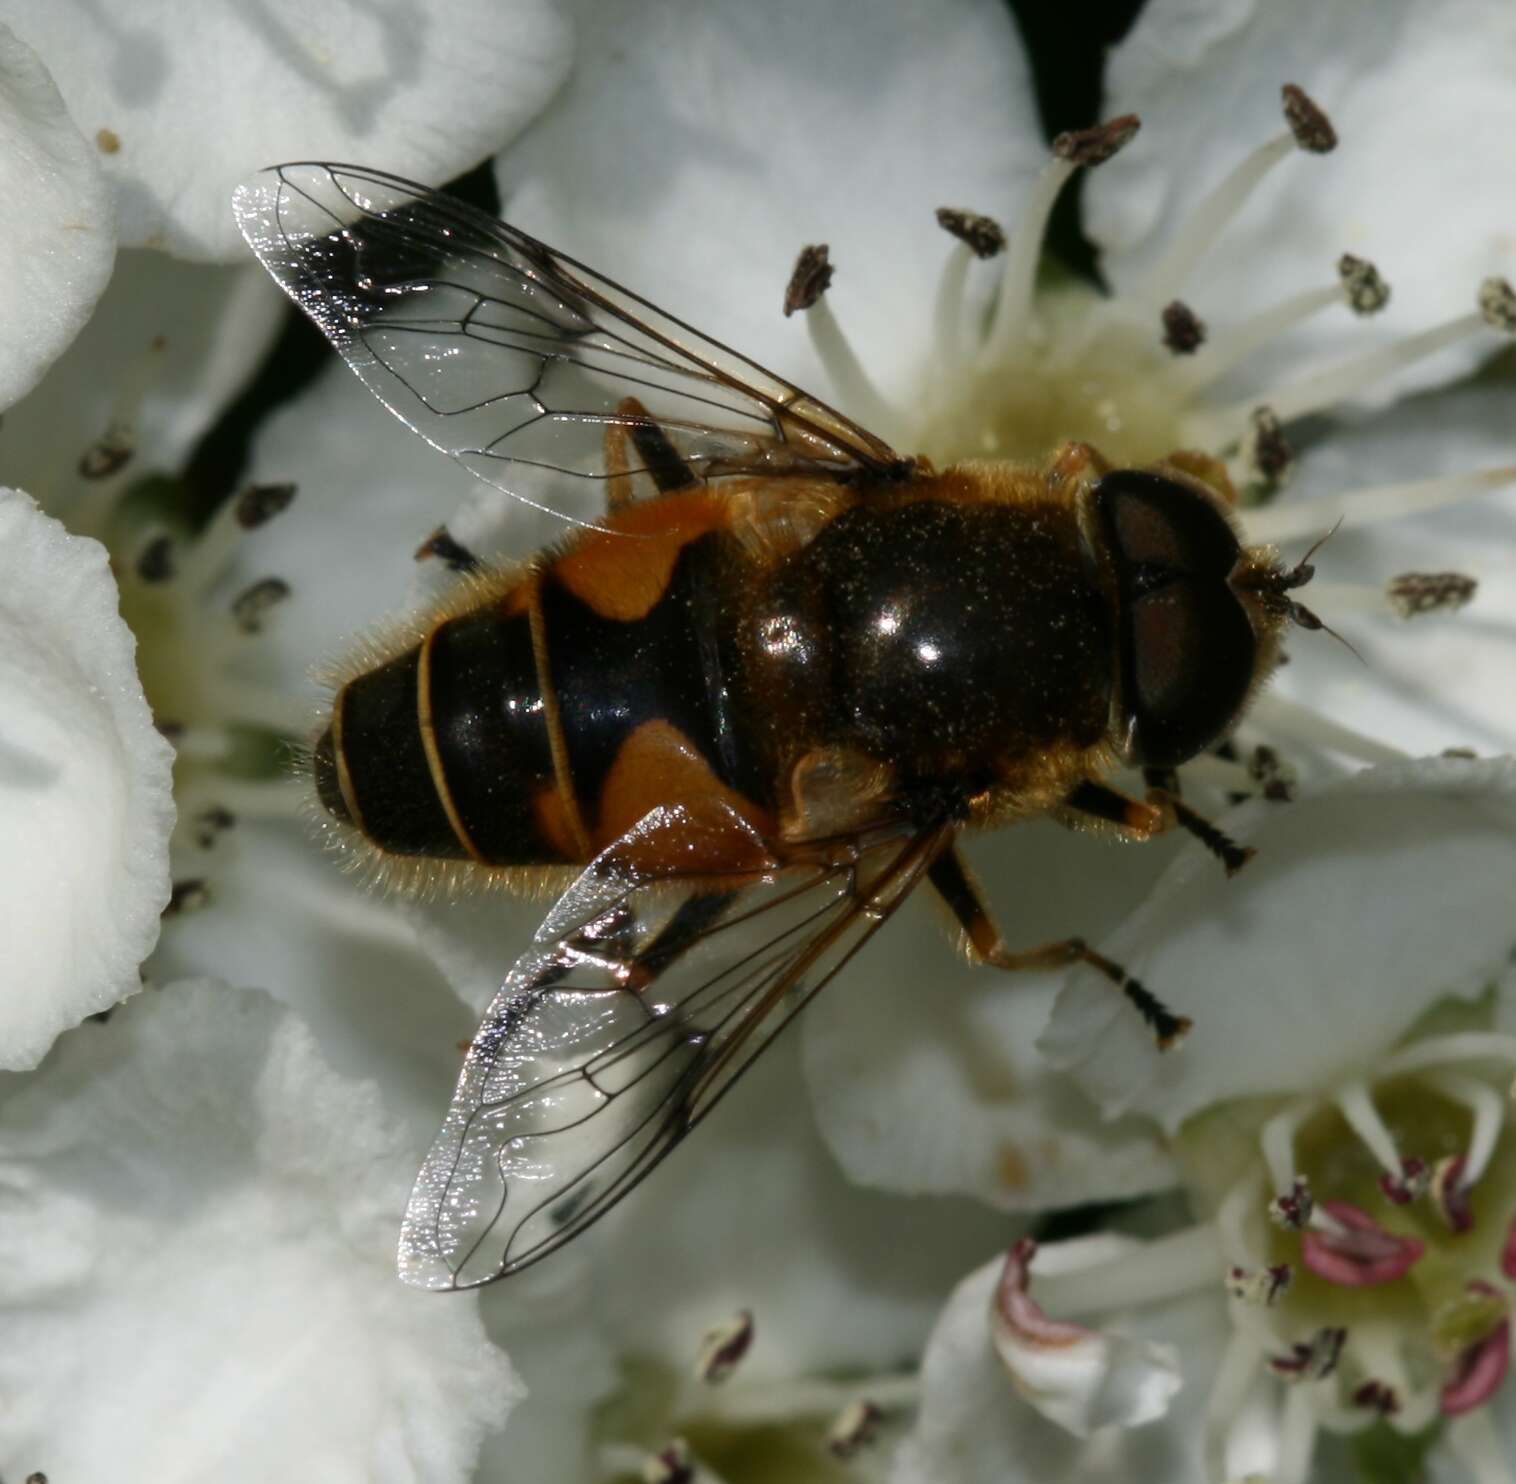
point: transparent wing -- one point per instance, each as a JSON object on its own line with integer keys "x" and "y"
{"x": 512, "y": 357}
{"x": 638, "y": 1004}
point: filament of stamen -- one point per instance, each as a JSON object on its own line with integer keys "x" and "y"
{"x": 1234, "y": 1379}
{"x": 1323, "y": 388}
{"x": 1164, "y": 1268}
{"x": 1487, "y": 1109}
{"x": 1229, "y": 347}
{"x": 1440, "y": 1050}
{"x": 1232, "y": 1217}
{"x": 240, "y": 702}
{"x": 1013, "y": 309}
{"x": 858, "y": 395}
{"x": 1477, "y": 1444}
{"x": 203, "y": 560}
{"x": 785, "y": 1401}
{"x": 1289, "y": 522}
{"x": 1277, "y": 1141}
{"x": 281, "y": 798}
{"x": 948, "y": 314}
{"x": 202, "y": 744}
{"x": 1297, "y": 1436}
{"x": 1363, "y": 1118}
{"x": 1208, "y": 220}
{"x": 1276, "y": 714}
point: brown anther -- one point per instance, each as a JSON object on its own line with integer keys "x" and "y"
{"x": 262, "y": 502}
{"x": 155, "y": 562}
{"x": 1462, "y": 754}
{"x": 810, "y": 280}
{"x": 187, "y": 896}
{"x": 1094, "y": 146}
{"x": 1311, "y": 1360}
{"x": 108, "y": 455}
{"x": 670, "y": 1465}
{"x": 1377, "y": 1396}
{"x": 1292, "y": 1209}
{"x": 722, "y": 1349}
{"x": 1410, "y": 1185}
{"x": 1183, "y": 332}
{"x": 36, "y": 1478}
{"x": 1450, "y": 1195}
{"x": 1259, "y": 1285}
{"x": 1367, "y": 293}
{"x": 984, "y": 236}
{"x": 1270, "y": 771}
{"x": 1266, "y": 450}
{"x": 252, "y": 603}
{"x": 1311, "y": 127}
{"x": 1497, "y": 305}
{"x": 1414, "y": 593}
{"x": 853, "y": 1429}
{"x": 211, "y": 822}
{"x": 441, "y": 544}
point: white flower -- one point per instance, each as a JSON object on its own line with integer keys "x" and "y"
{"x": 693, "y": 152}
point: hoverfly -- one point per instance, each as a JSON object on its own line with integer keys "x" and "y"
{"x": 746, "y": 713}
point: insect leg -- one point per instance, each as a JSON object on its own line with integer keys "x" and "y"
{"x": 656, "y": 456}
{"x": 951, "y": 879}
{"x": 693, "y": 919}
{"x": 1162, "y": 810}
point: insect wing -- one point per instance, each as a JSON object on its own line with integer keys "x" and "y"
{"x": 511, "y": 357}
{"x": 637, "y": 1006}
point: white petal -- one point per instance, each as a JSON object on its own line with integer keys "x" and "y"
{"x": 923, "y": 1067}
{"x": 59, "y": 240}
{"x": 1367, "y": 902}
{"x": 226, "y": 1207}
{"x": 422, "y": 90}
{"x": 698, "y": 148}
{"x": 1443, "y": 680}
{"x": 168, "y": 346}
{"x": 1083, "y": 1379}
{"x": 973, "y": 1428}
{"x": 1415, "y": 184}
{"x": 85, "y": 788}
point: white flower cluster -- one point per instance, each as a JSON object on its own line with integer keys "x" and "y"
{"x": 959, "y": 1227}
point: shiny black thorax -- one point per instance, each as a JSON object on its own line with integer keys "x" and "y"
{"x": 949, "y": 641}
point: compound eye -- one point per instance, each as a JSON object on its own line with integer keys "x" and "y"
{"x": 1190, "y": 653}
{"x": 1188, "y": 648}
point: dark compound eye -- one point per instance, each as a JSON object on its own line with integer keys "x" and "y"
{"x": 1187, "y": 646}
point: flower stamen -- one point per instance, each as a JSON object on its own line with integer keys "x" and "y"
{"x": 1357, "y": 1252}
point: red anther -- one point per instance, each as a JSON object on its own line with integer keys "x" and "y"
{"x": 1356, "y": 1251}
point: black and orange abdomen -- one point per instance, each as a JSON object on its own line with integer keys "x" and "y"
{"x": 537, "y": 726}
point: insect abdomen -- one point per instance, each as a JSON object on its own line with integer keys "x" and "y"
{"x": 444, "y": 751}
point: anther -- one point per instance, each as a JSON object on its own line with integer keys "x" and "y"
{"x": 1409, "y": 1185}
{"x": 722, "y": 1349}
{"x": 1497, "y": 305}
{"x": 211, "y": 822}
{"x": 983, "y": 235}
{"x": 1094, "y": 146}
{"x": 1293, "y": 1209}
{"x": 251, "y": 605}
{"x": 1354, "y": 1251}
{"x": 670, "y": 1465}
{"x": 111, "y": 452}
{"x": 155, "y": 562}
{"x": 1377, "y": 1396}
{"x": 187, "y": 896}
{"x": 260, "y": 503}
{"x": 1476, "y": 1328}
{"x": 1311, "y": 127}
{"x": 1261, "y": 1286}
{"x": 443, "y": 545}
{"x": 1265, "y": 451}
{"x": 1183, "y": 332}
{"x": 1367, "y": 293}
{"x": 810, "y": 280}
{"x": 1413, "y": 593}
{"x": 854, "y": 1428}
{"x": 1273, "y": 775}
{"x": 1311, "y": 1360}
{"x": 1449, "y": 1192}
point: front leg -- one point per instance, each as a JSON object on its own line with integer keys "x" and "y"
{"x": 1162, "y": 810}
{"x": 951, "y": 879}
